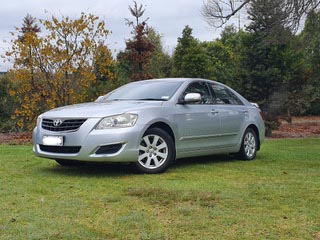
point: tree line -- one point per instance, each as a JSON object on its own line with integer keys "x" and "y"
{"x": 60, "y": 61}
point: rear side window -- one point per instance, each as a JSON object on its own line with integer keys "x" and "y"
{"x": 224, "y": 95}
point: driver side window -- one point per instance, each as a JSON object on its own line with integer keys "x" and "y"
{"x": 202, "y": 89}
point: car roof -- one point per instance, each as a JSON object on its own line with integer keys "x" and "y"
{"x": 176, "y": 80}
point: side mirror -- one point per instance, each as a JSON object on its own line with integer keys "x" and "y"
{"x": 192, "y": 98}
{"x": 255, "y": 104}
{"x": 99, "y": 99}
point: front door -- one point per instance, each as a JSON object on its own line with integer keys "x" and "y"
{"x": 198, "y": 123}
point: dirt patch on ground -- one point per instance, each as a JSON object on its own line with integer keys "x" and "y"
{"x": 16, "y": 138}
{"x": 300, "y": 127}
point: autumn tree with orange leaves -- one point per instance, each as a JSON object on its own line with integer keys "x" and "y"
{"x": 59, "y": 66}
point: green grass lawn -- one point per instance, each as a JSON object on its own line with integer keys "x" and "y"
{"x": 276, "y": 196}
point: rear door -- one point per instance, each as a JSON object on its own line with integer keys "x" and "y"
{"x": 232, "y": 112}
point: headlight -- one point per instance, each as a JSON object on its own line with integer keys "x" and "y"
{"x": 118, "y": 121}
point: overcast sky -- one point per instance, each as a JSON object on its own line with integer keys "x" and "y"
{"x": 167, "y": 17}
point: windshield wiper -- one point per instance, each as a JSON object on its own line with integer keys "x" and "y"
{"x": 116, "y": 99}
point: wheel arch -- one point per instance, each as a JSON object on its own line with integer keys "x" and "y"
{"x": 164, "y": 127}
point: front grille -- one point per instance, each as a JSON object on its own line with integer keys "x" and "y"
{"x": 60, "y": 149}
{"x": 65, "y": 124}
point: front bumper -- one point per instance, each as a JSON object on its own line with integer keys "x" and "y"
{"x": 89, "y": 141}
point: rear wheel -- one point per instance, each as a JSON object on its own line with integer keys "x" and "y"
{"x": 249, "y": 145}
{"x": 156, "y": 151}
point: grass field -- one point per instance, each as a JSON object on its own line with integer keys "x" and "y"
{"x": 276, "y": 196}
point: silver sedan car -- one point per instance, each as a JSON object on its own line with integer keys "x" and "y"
{"x": 152, "y": 123}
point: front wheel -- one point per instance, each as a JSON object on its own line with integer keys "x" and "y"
{"x": 249, "y": 145}
{"x": 156, "y": 151}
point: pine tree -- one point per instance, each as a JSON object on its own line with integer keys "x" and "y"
{"x": 140, "y": 48}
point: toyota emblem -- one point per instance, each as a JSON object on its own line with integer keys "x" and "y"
{"x": 57, "y": 122}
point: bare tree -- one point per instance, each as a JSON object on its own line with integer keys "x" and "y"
{"x": 137, "y": 12}
{"x": 219, "y": 12}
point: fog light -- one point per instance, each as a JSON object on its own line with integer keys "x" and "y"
{"x": 109, "y": 149}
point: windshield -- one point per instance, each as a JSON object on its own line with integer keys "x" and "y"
{"x": 146, "y": 90}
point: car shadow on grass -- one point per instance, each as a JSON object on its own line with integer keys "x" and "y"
{"x": 89, "y": 170}
{"x": 205, "y": 160}
{"x": 121, "y": 169}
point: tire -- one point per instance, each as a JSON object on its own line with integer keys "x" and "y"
{"x": 156, "y": 152}
{"x": 249, "y": 145}
{"x": 68, "y": 163}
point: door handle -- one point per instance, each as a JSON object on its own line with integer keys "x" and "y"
{"x": 213, "y": 111}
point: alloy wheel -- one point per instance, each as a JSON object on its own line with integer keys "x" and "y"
{"x": 249, "y": 144}
{"x": 153, "y": 151}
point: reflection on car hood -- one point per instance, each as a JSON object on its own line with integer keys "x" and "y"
{"x": 94, "y": 109}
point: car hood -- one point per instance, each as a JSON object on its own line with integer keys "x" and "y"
{"x": 96, "y": 109}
